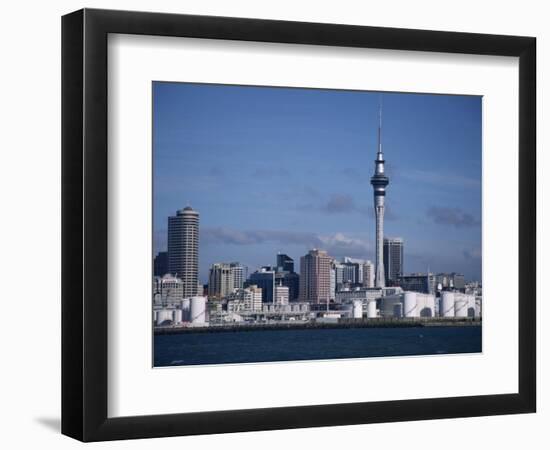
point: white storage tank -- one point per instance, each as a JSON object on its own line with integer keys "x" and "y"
{"x": 357, "y": 309}
{"x": 409, "y": 305}
{"x": 461, "y": 306}
{"x": 471, "y": 305}
{"x": 198, "y": 310}
{"x": 177, "y": 316}
{"x": 371, "y": 309}
{"x": 478, "y": 306}
{"x": 425, "y": 305}
{"x": 185, "y": 308}
{"x": 447, "y": 304}
{"x": 164, "y": 315}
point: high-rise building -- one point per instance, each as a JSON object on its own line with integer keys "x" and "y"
{"x": 315, "y": 277}
{"x": 183, "y": 248}
{"x": 284, "y": 263}
{"x": 160, "y": 264}
{"x": 379, "y": 182}
{"x": 239, "y": 274}
{"x": 221, "y": 281}
{"x": 264, "y": 279}
{"x": 393, "y": 259}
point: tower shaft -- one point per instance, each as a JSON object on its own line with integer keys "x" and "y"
{"x": 379, "y": 211}
{"x": 379, "y": 182}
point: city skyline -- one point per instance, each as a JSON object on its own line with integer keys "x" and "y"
{"x": 257, "y": 197}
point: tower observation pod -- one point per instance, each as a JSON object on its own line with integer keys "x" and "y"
{"x": 379, "y": 181}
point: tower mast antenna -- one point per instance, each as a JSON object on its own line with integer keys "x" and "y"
{"x": 380, "y": 124}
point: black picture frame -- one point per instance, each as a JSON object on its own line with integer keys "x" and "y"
{"x": 84, "y": 224}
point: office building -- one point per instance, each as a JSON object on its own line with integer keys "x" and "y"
{"x": 281, "y": 295}
{"x": 284, "y": 263}
{"x": 315, "y": 277}
{"x": 183, "y": 248}
{"x": 264, "y": 279}
{"x": 393, "y": 259}
{"x": 160, "y": 264}
{"x": 167, "y": 289}
{"x": 418, "y": 282}
{"x": 239, "y": 274}
{"x": 221, "y": 281}
{"x": 245, "y": 300}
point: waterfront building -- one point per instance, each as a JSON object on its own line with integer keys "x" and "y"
{"x": 451, "y": 280}
{"x": 292, "y": 281}
{"x": 264, "y": 279}
{"x": 315, "y": 277}
{"x": 167, "y": 289}
{"x": 281, "y": 295}
{"x": 393, "y": 259}
{"x": 379, "y": 182}
{"x": 418, "y": 282}
{"x": 183, "y": 248}
{"x": 359, "y": 293}
{"x": 245, "y": 300}
{"x": 160, "y": 264}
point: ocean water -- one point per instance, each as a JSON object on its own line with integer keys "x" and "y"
{"x": 309, "y": 344}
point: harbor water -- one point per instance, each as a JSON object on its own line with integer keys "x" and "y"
{"x": 311, "y": 344}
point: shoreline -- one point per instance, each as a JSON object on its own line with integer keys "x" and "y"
{"x": 347, "y": 323}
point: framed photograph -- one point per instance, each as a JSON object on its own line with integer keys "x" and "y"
{"x": 272, "y": 224}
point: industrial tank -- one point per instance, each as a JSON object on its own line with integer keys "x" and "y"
{"x": 425, "y": 305}
{"x": 164, "y": 315}
{"x": 177, "y": 316}
{"x": 409, "y": 305}
{"x": 447, "y": 304}
{"x": 357, "y": 309}
{"x": 371, "y": 309}
{"x": 461, "y": 306}
{"x": 198, "y": 310}
{"x": 185, "y": 309}
{"x": 478, "y": 306}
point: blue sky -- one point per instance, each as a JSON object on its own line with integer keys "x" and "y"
{"x": 280, "y": 169}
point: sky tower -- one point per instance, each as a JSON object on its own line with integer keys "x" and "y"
{"x": 379, "y": 182}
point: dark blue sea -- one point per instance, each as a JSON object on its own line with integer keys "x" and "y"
{"x": 307, "y": 344}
